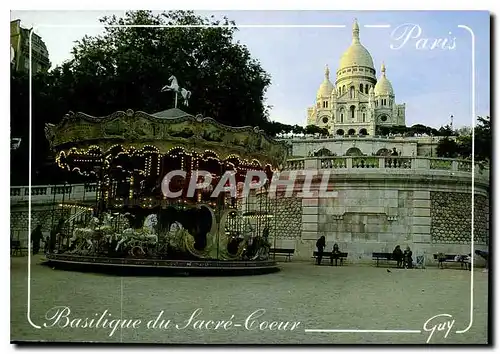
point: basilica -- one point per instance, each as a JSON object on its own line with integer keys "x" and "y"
{"x": 358, "y": 102}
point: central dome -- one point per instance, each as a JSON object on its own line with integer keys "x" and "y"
{"x": 356, "y": 54}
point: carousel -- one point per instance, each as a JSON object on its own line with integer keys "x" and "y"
{"x": 132, "y": 223}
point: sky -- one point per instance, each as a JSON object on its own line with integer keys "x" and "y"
{"x": 433, "y": 83}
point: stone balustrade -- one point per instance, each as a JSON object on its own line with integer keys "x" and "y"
{"x": 388, "y": 163}
{"x": 53, "y": 193}
{"x": 342, "y": 164}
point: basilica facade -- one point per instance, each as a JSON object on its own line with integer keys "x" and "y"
{"x": 358, "y": 102}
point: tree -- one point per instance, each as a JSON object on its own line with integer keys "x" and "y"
{"x": 125, "y": 68}
{"x": 447, "y": 148}
{"x": 462, "y": 147}
{"x": 297, "y": 129}
{"x": 483, "y": 139}
{"x": 132, "y": 64}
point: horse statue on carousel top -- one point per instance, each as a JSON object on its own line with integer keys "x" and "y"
{"x": 174, "y": 86}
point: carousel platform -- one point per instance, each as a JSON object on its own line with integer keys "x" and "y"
{"x": 148, "y": 266}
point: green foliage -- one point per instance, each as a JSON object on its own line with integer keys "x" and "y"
{"x": 483, "y": 139}
{"x": 447, "y": 148}
{"x": 314, "y": 129}
{"x": 415, "y": 129}
{"x": 125, "y": 68}
{"x": 463, "y": 146}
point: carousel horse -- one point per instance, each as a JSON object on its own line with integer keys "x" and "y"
{"x": 84, "y": 235}
{"x": 174, "y": 85}
{"x": 174, "y": 235}
{"x": 140, "y": 237}
{"x": 105, "y": 228}
{"x": 185, "y": 95}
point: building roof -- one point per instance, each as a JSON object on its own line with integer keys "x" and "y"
{"x": 171, "y": 113}
{"x": 356, "y": 54}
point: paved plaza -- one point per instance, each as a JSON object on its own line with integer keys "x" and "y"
{"x": 360, "y": 297}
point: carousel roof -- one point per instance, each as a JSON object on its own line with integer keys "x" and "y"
{"x": 171, "y": 113}
{"x": 165, "y": 130}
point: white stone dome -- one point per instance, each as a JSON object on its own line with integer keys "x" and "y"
{"x": 383, "y": 86}
{"x": 356, "y": 54}
{"x": 326, "y": 87}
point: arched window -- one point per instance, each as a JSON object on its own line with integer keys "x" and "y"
{"x": 323, "y": 152}
{"x": 384, "y": 152}
{"x": 351, "y": 132}
{"x": 343, "y": 89}
{"x": 340, "y": 132}
{"x": 352, "y": 109}
{"x": 364, "y": 117}
{"x": 352, "y": 92}
{"x": 366, "y": 88}
{"x": 361, "y": 88}
{"x": 341, "y": 117}
{"x": 363, "y": 131}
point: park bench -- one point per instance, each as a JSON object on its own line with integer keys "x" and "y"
{"x": 286, "y": 252}
{"x": 328, "y": 256}
{"x": 452, "y": 258}
{"x": 384, "y": 256}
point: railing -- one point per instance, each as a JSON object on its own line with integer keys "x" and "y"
{"x": 82, "y": 192}
{"x": 50, "y": 193}
{"x": 387, "y": 162}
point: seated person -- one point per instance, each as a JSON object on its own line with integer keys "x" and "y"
{"x": 335, "y": 254}
{"x": 397, "y": 254}
{"x": 408, "y": 260}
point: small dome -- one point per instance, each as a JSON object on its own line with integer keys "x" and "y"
{"x": 383, "y": 86}
{"x": 356, "y": 54}
{"x": 326, "y": 87}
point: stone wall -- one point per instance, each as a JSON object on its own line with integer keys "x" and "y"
{"x": 409, "y": 146}
{"x": 285, "y": 226}
{"x": 362, "y": 221}
{"x": 451, "y": 218}
{"x": 46, "y": 216}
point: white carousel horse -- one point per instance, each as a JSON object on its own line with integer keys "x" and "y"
{"x": 174, "y": 86}
{"x": 127, "y": 234}
{"x": 141, "y": 236}
{"x": 85, "y": 233}
{"x": 185, "y": 95}
{"x": 151, "y": 222}
{"x": 174, "y": 233}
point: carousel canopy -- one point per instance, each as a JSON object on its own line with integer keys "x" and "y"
{"x": 166, "y": 130}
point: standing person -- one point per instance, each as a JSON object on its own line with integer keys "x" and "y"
{"x": 320, "y": 244}
{"x": 397, "y": 254}
{"x": 36, "y": 237}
